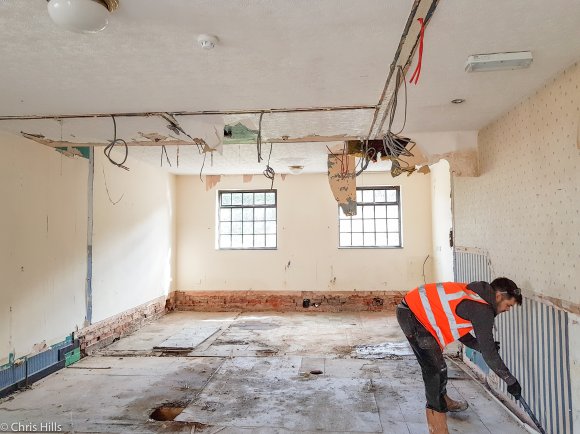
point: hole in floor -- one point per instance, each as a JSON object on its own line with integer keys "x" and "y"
{"x": 167, "y": 412}
{"x": 316, "y": 372}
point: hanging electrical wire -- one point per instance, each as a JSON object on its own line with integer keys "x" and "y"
{"x": 269, "y": 172}
{"x": 394, "y": 145}
{"x": 111, "y": 145}
{"x": 369, "y": 154}
{"x": 417, "y": 72}
{"x": 177, "y": 129}
{"x": 259, "y": 139}
{"x": 114, "y": 202}
{"x": 164, "y": 151}
{"x": 343, "y": 159}
{"x": 202, "y": 166}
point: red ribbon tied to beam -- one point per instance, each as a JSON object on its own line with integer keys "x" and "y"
{"x": 417, "y": 72}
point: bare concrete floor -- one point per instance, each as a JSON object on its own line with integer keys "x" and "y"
{"x": 249, "y": 373}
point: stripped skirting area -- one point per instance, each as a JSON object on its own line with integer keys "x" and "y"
{"x": 534, "y": 345}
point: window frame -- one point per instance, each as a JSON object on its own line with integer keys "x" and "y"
{"x": 398, "y": 202}
{"x": 241, "y": 206}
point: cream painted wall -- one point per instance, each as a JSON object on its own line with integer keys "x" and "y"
{"x": 442, "y": 221}
{"x": 524, "y": 208}
{"x": 43, "y": 235}
{"x": 43, "y": 239}
{"x": 133, "y": 258}
{"x": 307, "y": 257}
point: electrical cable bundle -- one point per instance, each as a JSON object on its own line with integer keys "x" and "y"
{"x": 394, "y": 145}
{"x": 112, "y": 144}
{"x": 259, "y": 139}
{"x": 369, "y": 154}
{"x": 269, "y": 172}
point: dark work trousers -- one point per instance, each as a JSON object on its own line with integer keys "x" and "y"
{"x": 430, "y": 358}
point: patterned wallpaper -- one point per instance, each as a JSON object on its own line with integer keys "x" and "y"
{"x": 524, "y": 207}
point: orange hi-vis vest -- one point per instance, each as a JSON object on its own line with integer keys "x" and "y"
{"x": 434, "y": 306}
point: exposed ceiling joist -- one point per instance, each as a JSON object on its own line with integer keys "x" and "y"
{"x": 403, "y": 57}
{"x": 190, "y": 113}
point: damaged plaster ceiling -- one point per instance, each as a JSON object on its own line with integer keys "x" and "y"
{"x": 319, "y": 72}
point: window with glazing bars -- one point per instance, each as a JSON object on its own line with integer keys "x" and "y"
{"x": 377, "y": 222}
{"x": 247, "y": 219}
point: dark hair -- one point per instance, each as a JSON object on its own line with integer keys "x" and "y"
{"x": 508, "y": 287}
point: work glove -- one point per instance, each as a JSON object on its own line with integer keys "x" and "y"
{"x": 497, "y": 346}
{"x": 515, "y": 390}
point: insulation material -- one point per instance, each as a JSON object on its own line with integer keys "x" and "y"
{"x": 316, "y": 126}
{"x": 250, "y": 121}
{"x": 342, "y": 180}
{"x": 239, "y": 133}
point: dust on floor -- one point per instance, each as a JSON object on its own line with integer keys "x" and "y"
{"x": 200, "y": 372}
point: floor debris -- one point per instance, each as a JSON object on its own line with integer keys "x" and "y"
{"x": 234, "y": 383}
{"x": 385, "y": 350}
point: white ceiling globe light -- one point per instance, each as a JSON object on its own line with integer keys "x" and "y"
{"x": 81, "y": 16}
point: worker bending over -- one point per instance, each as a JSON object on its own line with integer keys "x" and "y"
{"x": 436, "y": 314}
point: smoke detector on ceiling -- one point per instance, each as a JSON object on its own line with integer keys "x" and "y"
{"x": 207, "y": 42}
{"x": 82, "y": 16}
{"x": 498, "y": 61}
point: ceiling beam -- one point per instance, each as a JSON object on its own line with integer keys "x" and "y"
{"x": 191, "y": 113}
{"x": 167, "y": 141}
{"x": 403, "y": 58}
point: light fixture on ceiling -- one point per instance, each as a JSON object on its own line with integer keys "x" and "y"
{"x": 458, "y": 101}
{"x": 207, "y": 42}
{"x": 498, "y": 61}
{"x": 296, "y": 169}
{"x": 82, "y": 16}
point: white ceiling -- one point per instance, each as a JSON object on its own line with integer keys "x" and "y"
{"x": 458, "y": 28}
{"x": 272, "y": 54}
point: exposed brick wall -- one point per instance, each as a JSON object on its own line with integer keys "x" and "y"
{"x": 336, "y": 301}
{"x": 105, "y": 332}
